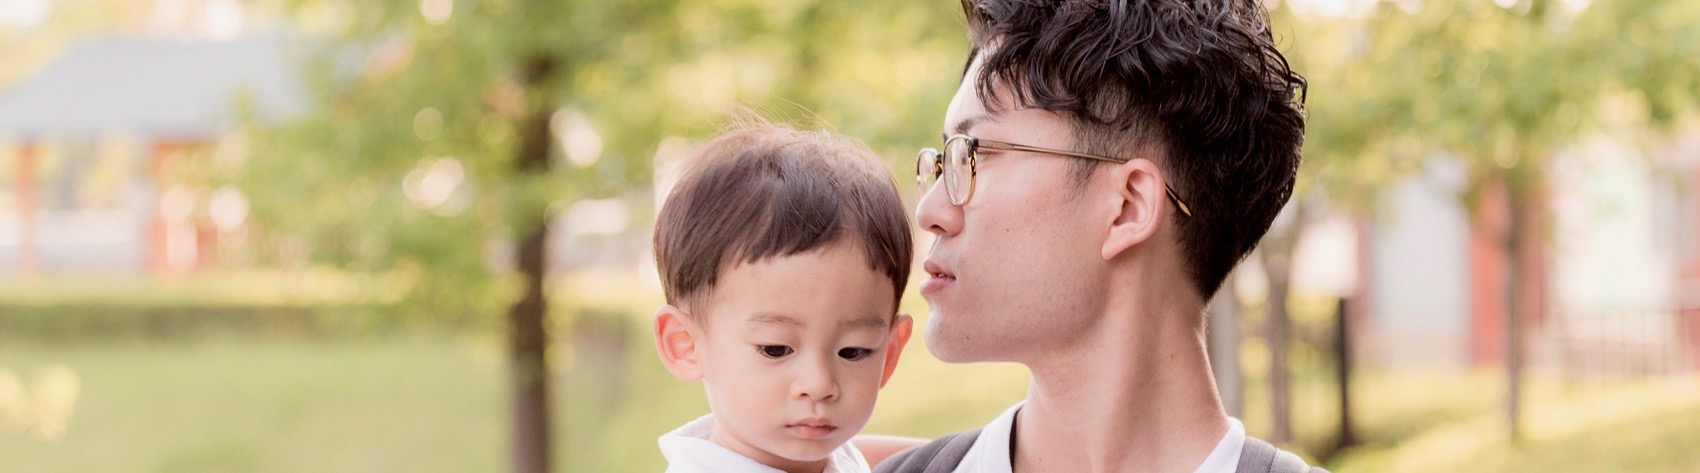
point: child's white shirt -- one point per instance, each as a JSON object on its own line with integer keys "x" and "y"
{"x": 689, "y": 450}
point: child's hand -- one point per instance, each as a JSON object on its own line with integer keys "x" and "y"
{"x": 876, "y": 448}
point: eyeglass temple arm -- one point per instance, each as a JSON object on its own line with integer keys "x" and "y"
{"x": 1015, "y": 147}
{"x": 1187, "y": 211}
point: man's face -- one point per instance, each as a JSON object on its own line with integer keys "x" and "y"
{"x": 1010, "y": 271}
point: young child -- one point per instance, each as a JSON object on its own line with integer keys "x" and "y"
{"x": 783, "y": 254}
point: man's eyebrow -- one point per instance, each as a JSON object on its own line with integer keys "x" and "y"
{"x": 969, "y": 123}
{"x": 774, "y": 319}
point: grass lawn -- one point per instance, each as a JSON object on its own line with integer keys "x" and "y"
{"x": 1641, "y": 426}
{"x": 423, "y": 403}
{"x": 416, "y": 404}
{"x": 419, "y": 405}
{"x": 436, "y": 402}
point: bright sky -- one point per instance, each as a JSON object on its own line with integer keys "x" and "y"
{"x": 23, "y": 13}
{"x": 1332, "y": 8}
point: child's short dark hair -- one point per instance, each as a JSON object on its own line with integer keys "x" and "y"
{"x": 764, "y": 191}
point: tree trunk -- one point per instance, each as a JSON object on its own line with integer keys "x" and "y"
{"x": 529, "y": 339}
{"x": 26, "y": 198}
{"x": 1224, "y": 347}
{"x": 1513, "y": 320}
{"x": 1343, "y": 360}
{"x": 1277, "y": 251}
{"x": 1276, "y": 333}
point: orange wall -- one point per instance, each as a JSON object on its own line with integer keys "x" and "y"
{"x": 1488, "y": 269}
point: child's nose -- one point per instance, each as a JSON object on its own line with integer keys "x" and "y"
{"x": 815, "y": 382}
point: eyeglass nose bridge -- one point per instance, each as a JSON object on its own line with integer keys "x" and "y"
{"x": 942, "y": 171}
{"x": 963, "y": 190}
{"x": 928, "y": 157}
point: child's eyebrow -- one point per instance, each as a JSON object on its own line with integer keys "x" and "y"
{"x": 774, "y": 319}
{"x": 867, "y": 321}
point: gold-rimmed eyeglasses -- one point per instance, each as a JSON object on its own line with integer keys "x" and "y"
{"x": 956, "y": 166}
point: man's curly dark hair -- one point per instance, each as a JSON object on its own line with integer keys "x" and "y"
{"x": 1196, "y": 84}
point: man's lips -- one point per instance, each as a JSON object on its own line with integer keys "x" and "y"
{"x": 938, "y": 278}
{"x": 813, "y": 428}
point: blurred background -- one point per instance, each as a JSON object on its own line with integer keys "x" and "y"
{"x": 412, "y": 235}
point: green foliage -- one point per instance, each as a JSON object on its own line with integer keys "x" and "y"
{"x": 1499, "y": 88}
{"x": 399, "y": 95}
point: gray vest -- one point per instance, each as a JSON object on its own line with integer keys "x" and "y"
{"x": 942, "y": 456}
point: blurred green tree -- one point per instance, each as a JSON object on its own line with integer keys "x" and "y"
{"x": 1499, "y": 87}
{"x": 443, "y": 132}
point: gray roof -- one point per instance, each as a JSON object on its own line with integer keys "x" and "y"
{"x": 157, "y": 87}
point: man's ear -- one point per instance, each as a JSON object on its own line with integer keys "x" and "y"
{"x": 677, "y": 343}
{"x": 1139, "y": 189}
{"x": 901, "y": 328}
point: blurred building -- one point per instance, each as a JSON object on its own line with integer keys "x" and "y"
{"x": 108, "y": 151}
{"x": 1612, "y": 251}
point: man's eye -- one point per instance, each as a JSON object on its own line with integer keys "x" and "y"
{"x": 854, "y": 354}
{"x": 773, "y": 351}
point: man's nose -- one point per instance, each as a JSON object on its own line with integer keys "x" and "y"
{"x": 935, "y": 214}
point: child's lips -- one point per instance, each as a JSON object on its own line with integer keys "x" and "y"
{"x": 813, "y": 428}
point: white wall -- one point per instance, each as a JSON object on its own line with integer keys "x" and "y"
{"x": 1419, "y": 273}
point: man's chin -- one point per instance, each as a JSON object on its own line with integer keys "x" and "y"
{"x": 949, "y": 345}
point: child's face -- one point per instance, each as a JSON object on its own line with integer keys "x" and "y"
{"x": 793, "y": 351}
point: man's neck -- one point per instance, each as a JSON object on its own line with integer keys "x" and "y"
{"x": 1132, "y": 397}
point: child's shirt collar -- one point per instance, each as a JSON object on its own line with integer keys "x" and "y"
{"x": 689, "y": 450}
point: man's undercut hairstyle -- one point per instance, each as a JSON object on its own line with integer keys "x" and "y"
{"x": 766, "y": 191}
{"x": 1195, "y": 85}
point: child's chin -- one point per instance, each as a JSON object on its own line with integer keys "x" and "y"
{"x": 801, "y": 450}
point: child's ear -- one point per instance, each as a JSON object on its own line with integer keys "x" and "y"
{"x": 677, "y": 343}
{"x": 901, "y": 328}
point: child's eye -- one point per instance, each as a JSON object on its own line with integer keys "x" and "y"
{"x": 854, "y": 354}
{"x": 773, "y": 351}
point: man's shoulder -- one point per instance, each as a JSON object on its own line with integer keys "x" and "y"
{"x": 1259, "y": 456}
{"x": 943, "y": 454}
{"x": 938, "y": 456}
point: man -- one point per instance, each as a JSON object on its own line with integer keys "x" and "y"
{"x": 1105, "y": 164}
